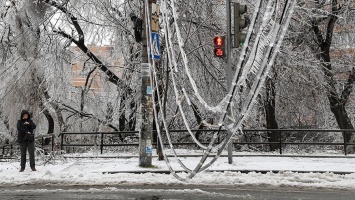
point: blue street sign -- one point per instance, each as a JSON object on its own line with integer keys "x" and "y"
{"x": 155, "y": 45}
{"x": 148, "y": 150}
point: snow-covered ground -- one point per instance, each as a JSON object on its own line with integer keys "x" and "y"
{"x": 89, "y": 171}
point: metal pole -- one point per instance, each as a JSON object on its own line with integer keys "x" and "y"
{"x": 61, "y": 143}
{"x": 102, "y": 143}
{"x": 229, "y": 67}
{"x": 280, "y": 132}
{"x": 145, "y": 134}
{"x": 52, "y": 142}
{"x": 345, "y": 152}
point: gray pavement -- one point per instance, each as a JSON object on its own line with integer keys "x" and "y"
{"x": 157, "y": 192}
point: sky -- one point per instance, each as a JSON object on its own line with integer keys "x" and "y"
{"x": 90, "y": 168}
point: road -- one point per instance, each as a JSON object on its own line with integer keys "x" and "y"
{"x": 157, "y": 192}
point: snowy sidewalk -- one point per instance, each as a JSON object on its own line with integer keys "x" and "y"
{"x": 91, "y": 171}
{"x": 241, "y": 162}
{"x": 259, "y": 164}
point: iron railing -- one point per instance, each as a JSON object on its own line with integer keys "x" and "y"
{"x": 283, "y": 140}
{"x": 45, "y": 140}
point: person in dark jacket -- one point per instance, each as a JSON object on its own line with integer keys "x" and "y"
{"x": 26, "y": 139}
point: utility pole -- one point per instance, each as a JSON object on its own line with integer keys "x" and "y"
{"x": 229, "y": 67}
{"x": 239, "y": 39}
{"x": 145, "y": 133}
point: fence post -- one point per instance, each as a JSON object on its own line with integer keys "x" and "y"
{"x": 102, "y": 142}
{"x": 61, "y": 143}
{"x": 280, "y": 140}
{"x": 52, "y": 142}
{"x": 344, "y": 134}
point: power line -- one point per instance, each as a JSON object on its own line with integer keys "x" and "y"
{"x": 262, "y": 73}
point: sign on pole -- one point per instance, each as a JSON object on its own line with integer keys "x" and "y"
{"x": 155, "y": 47}
{"x": 155, "y": 17}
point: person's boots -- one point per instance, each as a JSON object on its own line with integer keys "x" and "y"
{"x": 22, "y": 169}
{"x": 33, "y": 168}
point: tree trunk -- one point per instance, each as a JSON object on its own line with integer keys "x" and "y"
{"x": 132, "y": 116}
{"x": 50, "y": 121}
{"x": 337, "y": 100}
{"x": 342, "y": 119}
{"x": 271, "y": 122}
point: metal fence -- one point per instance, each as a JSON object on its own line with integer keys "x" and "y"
{"x": 46, "y": 142}
{"x": 285, "y": 138}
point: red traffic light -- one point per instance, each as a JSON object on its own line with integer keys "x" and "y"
{"x": 219, "y": 46}
{"x": 219, "y": 52}
{"x": 218, "y": 41}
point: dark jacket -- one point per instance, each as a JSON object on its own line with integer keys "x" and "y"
{"x": 23, "y": 128}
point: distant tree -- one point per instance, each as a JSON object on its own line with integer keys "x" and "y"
{"x": 324, "y": 26}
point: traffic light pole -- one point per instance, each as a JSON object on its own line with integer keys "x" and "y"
{"x": 229, "y": 67}
{"x": 146, "y": 130}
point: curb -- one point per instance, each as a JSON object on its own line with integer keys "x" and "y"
{"x": 222, "y": 171}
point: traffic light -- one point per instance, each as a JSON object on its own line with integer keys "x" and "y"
{"x": 219, "y": 46}
{"x": 138, "y": 27}
{"x": 239, "y": 24}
